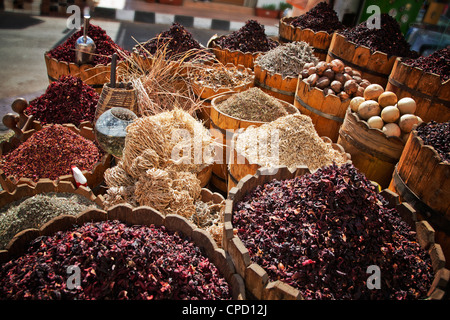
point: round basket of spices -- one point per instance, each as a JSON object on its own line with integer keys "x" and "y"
{"x": 277, "y": 71}
{"x": 60, "y": 61}
{"x": 31, "y": 207}
{"x": 329, "y": 235}
{"x": 141, "y": 255}
{"x": 372, "y": 151}
{"x": 315, "y": 27}
{"x": 242, "y": 46}
{"x": 371, "y": 51}
{"x": 67, "y": 100}
{"x": 421, "y": 178}
{"x": 426, "y": 80}
{"x": 209, "y": 81}
{"x": 288, "y": 141}
{"x": 324, "y": 92}
{"x": 232, "y": 111}
{"x": 49, "y": 153}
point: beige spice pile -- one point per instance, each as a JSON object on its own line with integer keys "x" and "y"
{"x": 297, "y": 141}
{"x": 253, "y": 105}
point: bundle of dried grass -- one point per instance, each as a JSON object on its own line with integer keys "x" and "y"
{"x": 290, "y": 141}
{"x": 158, "y": 80}
{"x": 162, "y": 155}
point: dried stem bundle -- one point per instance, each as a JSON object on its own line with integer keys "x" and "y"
{"x": 159, "y": 81}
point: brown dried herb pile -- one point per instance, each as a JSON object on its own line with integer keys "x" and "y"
{"x": 438, "y": 62}
{"x": 67, "y": 100}
{"x": 105, "y": 47}
{"x": 49, "y": 153}
{"x": 319, "y": 233}
{"x": 387, "y": 39}
{"x": 176, "y": 41}
{"x": 290, "y": 141}
{"x": 249, "y": 38}
{"x": 436, "y": 135}
{"x": 253, "y": 105}
{"x": 34, "y": 211}
{"x": 219, "y": 76}
{"x": 116, "y": 261}
{"x": 287, "y": 59}
{"x": 320, "y": 18}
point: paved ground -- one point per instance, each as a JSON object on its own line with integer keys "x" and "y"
{"x": 25, "y": 38}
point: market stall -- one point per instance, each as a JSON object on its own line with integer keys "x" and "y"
{"x": 252, "y": 168}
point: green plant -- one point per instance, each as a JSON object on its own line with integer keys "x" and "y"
{"x": 269, "y": 6}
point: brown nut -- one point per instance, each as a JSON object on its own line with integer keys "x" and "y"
{"x": 323, "y": 82}
{"x": 339, "y": 77}
{"x": 312, "y": 79}
{"x": 329, "y": 74}
{"x": 350, "y": 87}
{"x": 337, "y": 66}
{"x": 312, "y": 70}
{"x": 348, "y": 70}
{"x": 321, "y": 67}
{"x": 336, "y": 86}
{"x": 343, "y": 95}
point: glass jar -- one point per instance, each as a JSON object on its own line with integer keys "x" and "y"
{"x": 110, "y": 129}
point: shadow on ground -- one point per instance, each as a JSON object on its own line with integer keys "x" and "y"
{"x": 17, "y": 20}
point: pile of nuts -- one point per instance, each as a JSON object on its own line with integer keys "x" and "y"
{"x": 335, "y": 78}
{"x": 382, "y": 110}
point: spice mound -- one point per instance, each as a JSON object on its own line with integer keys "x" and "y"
{"x": 116, "y": 261}
{"x": 49, "y": 153}
{"x": 290, "y": 141}
{"x": 320, "y": 232}
{"x": 253, "y": 105}
{"x": 34, "y": 211}
{"x": 219, "y": 76}
{"x": 388, "y": 38}
{"x": 288, "y": 59}
{"x": 320, "y": 18}
{"x": 105, "y": 47}
{"x": 436, "y": 135}
{"x": 67, "y": 100}
{"x": 175, "y": 42}
{"x": 249, "y": 38}
{"x": 438, "y": 62}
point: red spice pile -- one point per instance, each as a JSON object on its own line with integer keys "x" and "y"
{"x": 105, "y": 47}
{"x": 321, "y": 231}
{"x": 176, "y": 41}
{"x": 438, "y": 62}
{"x": 68, "y": 100}
{"x": 116, "y": 261}
{"x": 387, "y": 39}
{"x": 49, "y": 153}
{"x": 250, "y": 38}
{"x": 320, "y": 18}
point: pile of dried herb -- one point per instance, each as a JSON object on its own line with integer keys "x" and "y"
{"x": 253, "y": 105}
{"x": 35, "y": 211}
{"x": 320, "y": 232}
{"x": 387, "y": 39}
{"x": 287, "y": 59}
{"x": 50, "y": 153}
{"x": 116, "y": 261}
{"x": 290, "y": 141}
{"x": 320, "y": 18}
{"x": 438, "y": 62}
{"x": 67, "y": 100}
{"x": 436, "y": 135}
{"x": 105, "y": 47}
{"x": 249, "y": 38}
{"x": 220, "y": 76}
{"x": 176, "y": 42}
